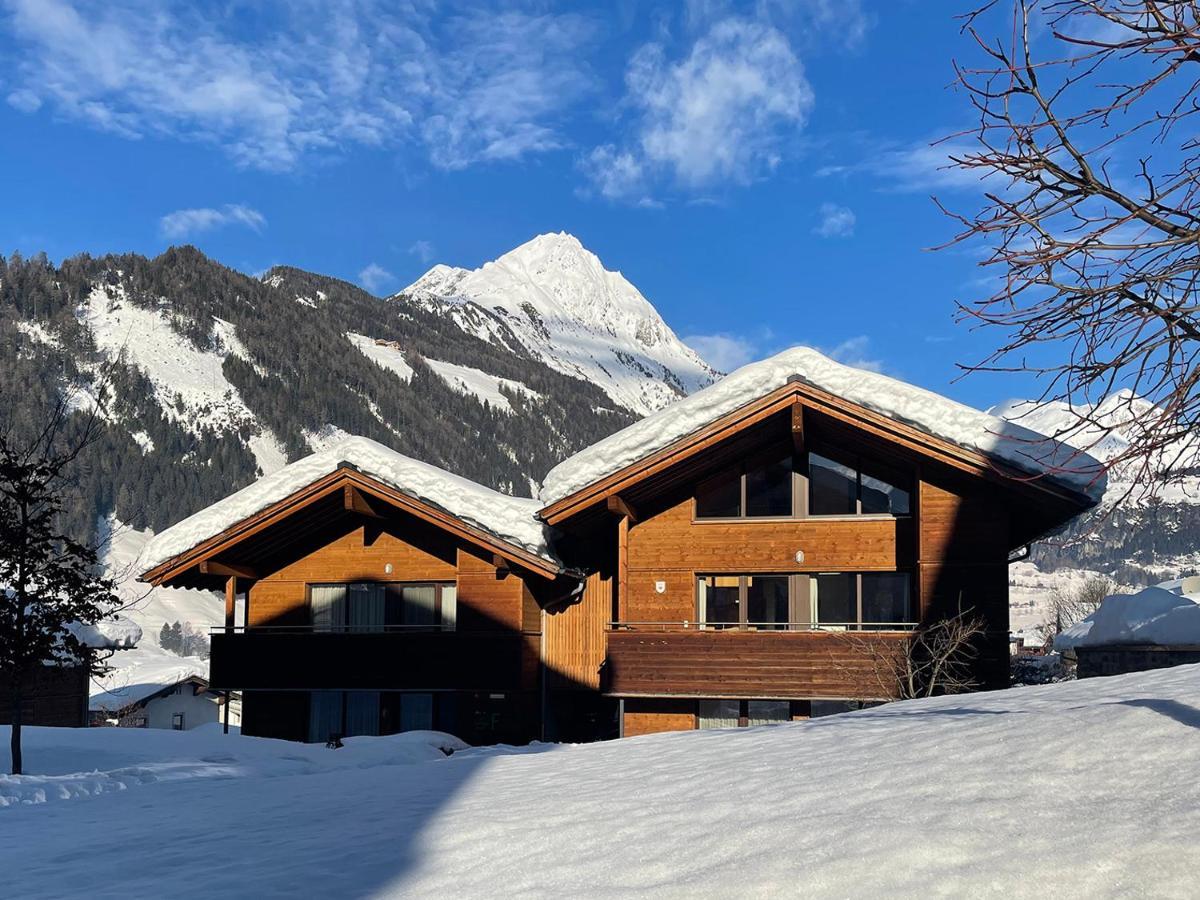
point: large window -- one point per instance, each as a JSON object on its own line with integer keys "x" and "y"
{"x": 868, "y": 601}
{"x": 743, "y": 713}
{"x": 815, "y": 484}
{"x": 351, "y": 713}
{"x": 877, "y": 601}
{"x": 372, "y": 606}
{"x": 741, "y": 601}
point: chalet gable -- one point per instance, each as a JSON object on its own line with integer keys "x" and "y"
{"x": 797, "y": 387}
{"x": 356, "y": 480}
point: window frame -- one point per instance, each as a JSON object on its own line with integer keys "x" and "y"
{"x": 743, "y": 623}
{"x": 913, "y": 602}
{"x": 440, "y": 624}
{"x": 803, "y": 612}
{"x": 905, "y": 475}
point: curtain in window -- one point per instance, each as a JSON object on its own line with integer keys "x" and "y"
{"x": 768, "y": 712}
{"x": 367, "y": 606}
{"x": 328, "y": 607}
{"x": 719, "y": 713}
{"x": 419, "y": 605}
{"x": 362, "y": 712}
{"x": 416, "y": 712}
{"x": 449, "y": 607}
{"x": 324, "y": 715}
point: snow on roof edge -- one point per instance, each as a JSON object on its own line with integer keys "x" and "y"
{"x": 1020, "y": 447}
{"x": 512, "y": 520}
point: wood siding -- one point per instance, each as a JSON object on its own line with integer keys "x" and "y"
{"x": 53, "y": 695}
{"x": 740, "y": 664}
{"x": 652, "y": 716}
{"x": 574, "y": 643}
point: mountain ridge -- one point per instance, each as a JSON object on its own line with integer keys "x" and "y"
{"x": 554, "y": 297}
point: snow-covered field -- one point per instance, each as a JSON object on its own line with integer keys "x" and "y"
{"x": 1087, "y": 788}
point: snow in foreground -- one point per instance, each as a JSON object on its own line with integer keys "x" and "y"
{"x": 1090, "y": 788}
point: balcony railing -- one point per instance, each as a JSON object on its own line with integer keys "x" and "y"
{"x": 299, "y": 657}
{"x": 834, "y": 627}
{"x": 807, "y": 661}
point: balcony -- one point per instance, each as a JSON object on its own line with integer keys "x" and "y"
{"x": 789, "y": 661}
{"x": 282, "y": 658}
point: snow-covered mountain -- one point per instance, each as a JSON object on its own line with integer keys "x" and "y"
{"x": 1134, "y": 538}
{"x": 554, "y": 298}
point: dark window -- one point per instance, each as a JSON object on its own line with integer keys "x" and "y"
{"x": 828, "y": 484}
{"x": 836, "y": 600}
{"x": 767, "y": 604}
{"x": 720, "y": 713}
{"x": 769, "y": 489}
{"x": 743, "y": 713}
{"x": 720, "y": 597}
{"x": 885, "y": 597}
{"x": 177, "y": 721}
{"x": 832, "y": 487}
{"x": 371, "y": 606}
{"x": 720, "y": 498}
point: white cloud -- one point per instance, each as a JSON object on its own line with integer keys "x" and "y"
{"x": 836, "y": 221}
{"x": 719, "y": 115}
{"x": 925, "y": 165}
{"x": 319, "y": 78}
{"x": 423, "y": 250}
{"x": 186, "y": 222}
{"x": 724, "y": 352}
{"x": 375, "y": 278}
{"x": 855, "y": 352}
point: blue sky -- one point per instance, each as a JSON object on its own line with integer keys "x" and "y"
{"x": 762, "y": 171}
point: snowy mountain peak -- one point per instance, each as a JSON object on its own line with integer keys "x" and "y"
{"x": 556, "y": 298}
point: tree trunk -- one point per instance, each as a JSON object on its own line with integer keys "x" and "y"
{"x": 18, "y": 713}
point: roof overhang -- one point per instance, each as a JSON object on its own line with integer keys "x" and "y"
{"x": 362, "y": 495}
{"x": 801, "y": 395}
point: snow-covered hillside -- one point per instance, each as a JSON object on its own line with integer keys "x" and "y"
{"x": 557, "y": 301}
{"x": 1133, "y": 538}
{"x": 1090, "y": 788}
{"x": 149, "y": 607}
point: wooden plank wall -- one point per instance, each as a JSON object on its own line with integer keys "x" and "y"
{"x": 651, "y": 716}
{"x": 781, "y": 666}
{"x": 488, "y": 598}
{"x": 964, "y": 562}
{"x": 575, "y": 640}
{"x": 672, "y": 548}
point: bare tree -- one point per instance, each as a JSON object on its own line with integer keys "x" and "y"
{"x": 1073, "y": 604}
{"x": 1087, "y": 156}
{"x": 49, "y": 582}
{"x": 937, "y": 659}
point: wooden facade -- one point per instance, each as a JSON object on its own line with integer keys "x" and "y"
{"x": 650, "y": 620}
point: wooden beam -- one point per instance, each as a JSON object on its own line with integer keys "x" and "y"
{"x": 501, "y": 564}
{"x": 622, "y": 507}
{"x": 622, "y": 568}
{"x": 354, "y": 501}
{"x": 798, "y": 427}
{"x": 230, "y": 599}
{"x": 212, "y": 567}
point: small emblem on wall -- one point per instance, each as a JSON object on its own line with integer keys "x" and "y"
{"x": 660, "y": 587}
{"x": 799, "y": 556}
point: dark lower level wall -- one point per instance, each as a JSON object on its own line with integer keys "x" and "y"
{"x": 53, "y": 695}
{"x": 1117, "y": 659}
{"x": 477, "y": 718}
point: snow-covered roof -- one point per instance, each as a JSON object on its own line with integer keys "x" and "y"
{"x": 932, "y": 413}
{"x": 111, "y": 634}
{"x": 1154, "y": 615}
{"x": 512, "y": 520}
{"x": 116, "y": 699}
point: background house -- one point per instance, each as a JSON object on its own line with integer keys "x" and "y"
{"x": 1155, "y": 628}
{"x": 179, "y": 705}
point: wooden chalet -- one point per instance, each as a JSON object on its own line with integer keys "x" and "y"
{"x": 735, "y": 559}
